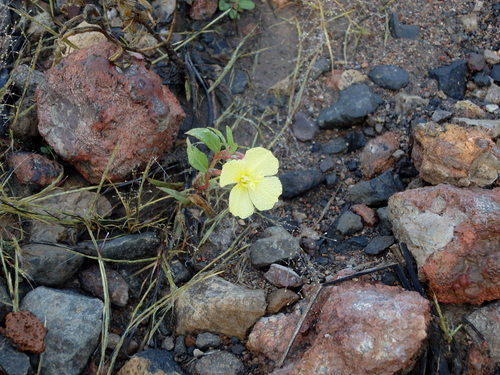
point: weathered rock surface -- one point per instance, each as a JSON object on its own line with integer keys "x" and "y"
{"x": 452, "y": 154}
{"x": 453, "y": 235}
{"x": 91, "y": 281}
{"x": 130, "y": 247}
{"x": 296, "y": 183}
{"x": 73, "y": 323}
{"x": 219, "y": 363}
{"x": 354, "y": 104}
{"x": 84, "y": 108}
{"x": 207, "y": 340}
{"x": 12, "y": 362}
{"x": 25, "y": 331}
{"x": 275, "y": 245}
{"x": 377, "y": 156}
{"x": 283, "y": 277}
{"x": 452, "y": 79}
{"x": 151, "y": 362}
{"x": 378, "y": 244}
{"x": 361, "y": 329}
{"x": 487, "y": 321}
{"x": 377, "y": 190}
{"x": 31, "y": 168}
{"x": 218, "y": 306}
{"x": 304, "y": 128}
{"x": 280, "y": 298}
{"x": 349, "y": 223}
{"x": 389, "y": 77}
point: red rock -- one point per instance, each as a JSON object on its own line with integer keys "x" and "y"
{"x": 31, "y": 168}
{"x": 89, "y": 109}
{"x": 280, "y": 298}
{"x": 376, "y": 157}
{"x": 367, "y": 214}
{"x": 361, "y": 329}
{"x": 25, "y": 331}
{"x": 203, "y": 9}
{"x": 453, "y": 154}
{"x": 478, "y": 360}
{"x": 91, "y": 281}
{"x": 283, "y": 277}
{"x": 454, "y": 236}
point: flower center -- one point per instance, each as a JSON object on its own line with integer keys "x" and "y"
{"x": 248, "y": 181}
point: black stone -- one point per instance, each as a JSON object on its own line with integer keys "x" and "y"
{"x": 400, "y": 31}
{"x": 240, "y": 82}
{"x": 352, "y": 164}
{"x": 355, "y": 140}
{"x": 238, "y": 349}
{"x": 379, "y": 244}
{"x": 384, "y": 226}
{"x": 481, "y": 79}
{"x": 376, "y": 191}
{"x": 389, "y": 77}
{"x": 452, "y": 79}
{"x": 4, "y": 77}
{"x": 354, "y": 104}
{"x": 351, "y": 245}
{"x": 335, "y": 146}
{"x": 331, "y": 180}
{"x": 495, "y": 73}
{"x": 296, "y": 183}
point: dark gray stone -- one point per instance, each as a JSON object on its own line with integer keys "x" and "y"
{"x": 400, "y": 31}
{"x": 354, "y": 104}
{"x": 275, "y": 246}
{"x": 48, "y": 264}
{"x": 376, "y": 191}
{"x": 331, "y": 180}
{"x": 219, "y": 363}
{"x": 349, "y": 223}
{"x": 304, "y": 128}
{"x": 91, "y": 281}
{"x": 130, "y": 247}
{"x": 379, "y": 244}
{"x": 495, "y": 73}
{"x": 384, "y": 224}
{"x": 24, "y": 74}
{"x": 355, "y": 140}
{"x": 12, "y": 362}
{"x": 180, "y": 272}
{"x": 5, "y": 302}
{"x": 296, "y": 183}
{"x": 452, "y": 79}
{"x": 321, "y": 66}
{"x": 389, "y": 77}
{"x": 440, "y": 115}
{"x": 73, "y": 322}
{"x": 207, "y": 340}
{"x": 327, "y": 164}
{"x": 180, "y": 346}
{"x": 160, "y": 362}
{"x": 335, "y": 146}
{"x": 240, "y": 82}
{"x": 481, "y": 79}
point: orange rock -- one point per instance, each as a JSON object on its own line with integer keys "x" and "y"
{"x": 367, "y": 214}
{"x": 25, "y": 331}
{"x": 376, "y": 157}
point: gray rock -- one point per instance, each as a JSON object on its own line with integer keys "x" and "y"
{"x": 321, "y": 66}
{"x": 406, "y": 103}
{"x": 354, "y": 104}
{"x": 491, "y": 125}
{"x": 377, "y": 190}
{"x": 485, "y": 320}
{"x": 384, "y": 225}
{"x": 283, "y": 277}
{"x": 219, "y": 363}
{"x": 130, "y": 247}
{"x": 400, "y": 31}
{"x": 240, "y": 82}
{"x": 441, "y": 115}
{"x": 218, "y": 306}
{"x": 296, "y": 183}
{"x": 163, "y": 9}
{"x": 152, "y": 361}
{"x": 481, "y": 79}
{"x": 389, "y": 77}
{"x": 331, "y": 180}
{"x": 49, "y": 265}
{"x": 91, "y": 281}
{"x": 168, "y": 343}
{"x": 304, "y": 128}
{"x": 5, "y": 302}
{"x": 180, "y": 272}
{"x": 74, "y": 325}
{"x": 275, "y": 246}
{"x": 349, "y": 223}
{"x": 180, "y": 346}
{"x": 207, "y": 340}
{"x": 335, "y": 146}
{"x": 12, "y": 362}
{"x": 495, "y": 73}
{"x": 327, "y": 164}
{"x": 452, "y": 79}
{"x": 493, "y": 94}
{"x": 379, "y": 244}
{"x": 23, "y": 75}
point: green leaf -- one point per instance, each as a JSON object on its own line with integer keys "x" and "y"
{"x": 208, "y": 137}
{"x": 164, "y": 184}
{"x": 220, "y": 135}
{"x": 176, "y": 195}
{"x": 246, "y": 4}
{"x": 223, "y": 5}
{"x": 233, "y": 14}
{"x": 230, "y": 139}
{"x": 187, "y": 88}
{"x": 196, "y": 158}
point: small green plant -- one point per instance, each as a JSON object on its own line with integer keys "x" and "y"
{"x": 236, "y": 6}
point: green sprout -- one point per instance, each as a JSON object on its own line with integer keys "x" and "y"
{"x": 236, "y": 6}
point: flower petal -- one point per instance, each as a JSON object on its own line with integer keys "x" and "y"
{"x": 262, "y": 161}
{"x": 266, "y": 193}
{"x": 239, "y": 202}
{"x": 231, "y": 172}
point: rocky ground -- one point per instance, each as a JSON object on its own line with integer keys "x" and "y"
{"x": 381, "y": 256}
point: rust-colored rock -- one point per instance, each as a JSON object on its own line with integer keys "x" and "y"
{"x": 31, "y": 168}
{"x": 478, "y": 360}
{"x": 454, "y": 236}
{"x": 367, "y": 214}
{"x": 90, "y": 110}
{"x": 362, "y": 329}
{"x": 203, "y": 9}
{"x": 25, "y": 331}
{"x": 376, "y": 157}
{"x": 457, "y": 155}
{"x": 283, "y": 277}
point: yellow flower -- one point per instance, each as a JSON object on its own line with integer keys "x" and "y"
{"x": 255, "y": 185}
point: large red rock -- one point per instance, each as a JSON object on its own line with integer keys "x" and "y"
{"x": 457, "y": 155}
{"x": 377, "y": 156}
{"x": 89, "y": 109}
{"x": 454, "y": 235}
{"x": 354, "y": 328}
